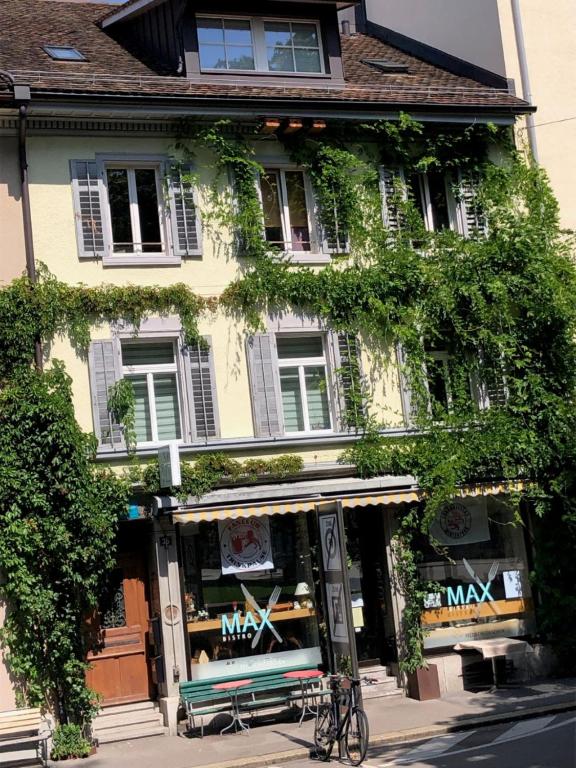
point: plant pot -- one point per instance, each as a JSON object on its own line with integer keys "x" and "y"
{"x": 423, "y": 684}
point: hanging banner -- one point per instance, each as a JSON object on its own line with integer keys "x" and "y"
{"x": 245, "y": 545}
{"x": 462, "y": 522}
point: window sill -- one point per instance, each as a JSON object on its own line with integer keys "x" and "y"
{"x": 141, "y": 260}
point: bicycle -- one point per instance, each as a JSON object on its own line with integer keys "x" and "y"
{"x": 342, "y": 720}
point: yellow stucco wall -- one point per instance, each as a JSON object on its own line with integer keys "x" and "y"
{"x": 12, "y": 255}
{"x": 549, "y": 30}
{"x": 55, "y": 245}
{"x": 7, "y": 698}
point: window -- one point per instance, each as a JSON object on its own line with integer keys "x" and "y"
{"x": 303, "y": 383}
{"x": 263, "y": 45}
{"x": 286, "y": 205}
{"x": 225, "y": 44}
{"x": 135, "y": 209}
{"x": 429, "y": 193}
{"x": 438, "y": 380}
{"x": 152, "y": 369}
{"x": 64, "y": 53}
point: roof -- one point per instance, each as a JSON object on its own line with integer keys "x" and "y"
{"x": 113, "y": 70}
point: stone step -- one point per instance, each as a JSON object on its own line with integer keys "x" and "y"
{"x": 379, "y": 692}
{"x": 129, "y": 732}
{"x": 125, "y": 707}
{"x": 129, "y": 717}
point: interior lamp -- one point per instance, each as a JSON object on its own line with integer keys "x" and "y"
{"x": 302, "y": 591}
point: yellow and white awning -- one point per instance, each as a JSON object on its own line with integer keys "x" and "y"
{"x": 292, "y": 506}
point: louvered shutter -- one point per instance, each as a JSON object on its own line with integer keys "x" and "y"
{"x": 334, "y": 239}
{"x": 471, "y": 220}
{"x": 87, "y": 197}
{"x": 184, "y": 218}
{"x": 389, "y": 180}
{"x": 199, "y": 365}
{"x": 347, "y": 362}
{"x": 408, "y": 404}
{"x": 105, "y": 371}
{"x": 488, "y": 384}
{"x": 264, "y": 385}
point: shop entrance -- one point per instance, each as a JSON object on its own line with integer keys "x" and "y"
{"x": 370, "y": 586}
{"x": 120, "y": 670}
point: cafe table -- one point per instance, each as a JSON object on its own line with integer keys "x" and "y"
{"x": 234, "y": 687}
{"x": 306, "y": 678}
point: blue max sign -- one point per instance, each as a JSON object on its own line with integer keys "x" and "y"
{"x": 236, "y": 629}
{"x": 456, "y": 595}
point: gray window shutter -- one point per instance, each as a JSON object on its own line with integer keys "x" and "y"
{"x": 389, "y": 180}
{"x": 199, "y": 365}
{"x": 334, "y": 238}
{"x": 408, "y": 403}
{"x": 184, "y": 218}
{"x": 470, "y": 219}
{"x": 87, "y": 197}
{"x": 488, "y": 384}
{"x": 105, "y": 371}
{"x": 264, "y": 384}
{"x": 347, "y": 363}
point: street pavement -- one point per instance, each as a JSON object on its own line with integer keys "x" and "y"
{"x": 541, "y": 742}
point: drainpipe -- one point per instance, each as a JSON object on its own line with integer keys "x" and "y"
{"x": 524, "y": 76}
{"x": 22, "y": 99}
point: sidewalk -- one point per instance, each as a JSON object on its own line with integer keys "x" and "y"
{"x": 392, "y": 720}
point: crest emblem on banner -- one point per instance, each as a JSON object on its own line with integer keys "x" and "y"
{"x": 245, "y": 545}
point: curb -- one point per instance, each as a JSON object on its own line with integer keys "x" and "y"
{"x": 404, "y": 736}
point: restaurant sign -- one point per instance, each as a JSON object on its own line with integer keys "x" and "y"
{"x": 251, "y": 624}
{"x": 245, "y": 545}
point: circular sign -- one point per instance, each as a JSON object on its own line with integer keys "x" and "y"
{"x": 455, "y": 520}
{"x": 245, "y": 544}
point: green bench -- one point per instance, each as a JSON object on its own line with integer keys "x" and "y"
{"x": 268, "y": 689}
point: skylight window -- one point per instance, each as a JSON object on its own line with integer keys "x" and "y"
{"x": 385, "y": 66}
{"x": 64, "y": 53}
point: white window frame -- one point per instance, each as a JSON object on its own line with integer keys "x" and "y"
{"x": 301, "y": 363}
{"x": 296, "y": 256}
{"x": 259, "y": 44}
{"x": 424, "y": 185}
{"x": 138, "y": 257}
{"x": 130, "y": 371}
{"x": 440, "y": 356}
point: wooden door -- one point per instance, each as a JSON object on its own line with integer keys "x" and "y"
{"x": 120, "y": 670}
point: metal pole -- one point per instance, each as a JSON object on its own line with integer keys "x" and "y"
{"x": 524, "y": 76}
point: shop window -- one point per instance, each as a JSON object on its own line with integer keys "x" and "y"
{"x": 303, "y": 383}
{"x": 483, "y": 574}
{"x": 257, "y": 44}
{"x": 152, "y": 369}
{"x": 235, "y": 572}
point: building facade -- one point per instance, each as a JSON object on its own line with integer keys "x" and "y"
{"x": 113, "y": 199}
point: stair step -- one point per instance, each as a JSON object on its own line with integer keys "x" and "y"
{"x": 379, "y": 692}
{"x": 128, "y": 732}
{"x": 126, "y": 718}
{"x": 127, "y": 707}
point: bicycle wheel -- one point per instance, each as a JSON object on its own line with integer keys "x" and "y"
{"x": 324, "y": 732}
{"x": 356, "y": 738}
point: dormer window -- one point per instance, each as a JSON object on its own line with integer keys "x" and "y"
{"x": 257, "y": 44}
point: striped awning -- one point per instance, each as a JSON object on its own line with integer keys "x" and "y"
{"x": 206, "y": 514}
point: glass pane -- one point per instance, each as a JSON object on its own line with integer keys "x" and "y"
{"x": 210, "y": 31}
{"x": 119, "y": 201}
{"x": 305, "y": 34}
{"x": 291, "y": 400}
{"x": 167, "y": 410}
{"x": 277, "y": 33}
{"x": 112, "y": 604}
{"x": 317, "y": 397}
{"x": 280, "y": 60}
{"x": 437, "y": 383}
{"x": 307, "y": 60}
{"x": 147, "y": 195}
{"x": 141, "y": 353}
{"x": 414, "y": 184}
{"x": 437, "y": 188}
{"x": 299, "y": 230}
{"x": 290, "y": 347}
{"x": 271, "y": 208}
{"x": 142, "y": 421}
{"x": 212, "y": 57}
{"x": 240, "y": 57}
{"x": 237, "y": 32}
